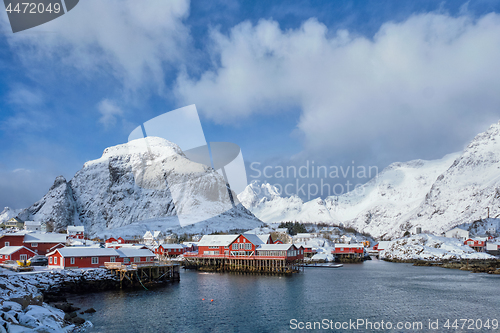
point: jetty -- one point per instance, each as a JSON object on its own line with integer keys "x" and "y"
{"x": 144, "y": 273}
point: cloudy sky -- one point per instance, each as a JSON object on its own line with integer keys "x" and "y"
{"x": 340, "y": 83}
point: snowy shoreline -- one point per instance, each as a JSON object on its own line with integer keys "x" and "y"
{"x": 24, "y": 297}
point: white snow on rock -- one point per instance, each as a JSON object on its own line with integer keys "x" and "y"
{"x": 8, "y": 213}
{"x": 29, "y": 286}
{"x": 430, "y": 248}
{"x": 433, "y": 195}
{"x": 127, "y": 189}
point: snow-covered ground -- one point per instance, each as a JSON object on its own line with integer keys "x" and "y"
{"x": 430, "y": 248}
{"x": 28, "y": 287}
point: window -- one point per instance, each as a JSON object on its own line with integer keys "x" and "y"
{"x": 34, "y": 244}
{"x": 1, "y": 256}
{"x": 23, "y": 257}
{"x": 242, "y": 246}
{"x": 235, "y": 246}
{"x": 126, "y": 260}
{"x": 95, "y": 260}
{"x": 7, "y": 257}
{"x": 7, "y": 243}
{"x": 72, "y": 261}
{"x": 137, "y": 259}
{"x": 248, "y": 246}
{"x": 111, "y": 259}
{"x": 50, "y": 260}
{"x": 55, "y": 260}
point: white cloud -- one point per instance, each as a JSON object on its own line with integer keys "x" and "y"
{"x": 24, "y": 97}
{"x": 417, "y": 86}
{"x": 109, "y": 112}
{"x": 130, "y": 39}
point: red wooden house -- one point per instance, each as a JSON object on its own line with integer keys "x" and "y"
{"x": 129, "y": 255}
{"x": 349, "y": 250}
{"x": 15, "y": 253}
{"x": 215, "y": 245}
{"x": 478, "y": 244}
{"x": 287, "y": 251}
{"x": 308, "y": 251}
{"x": 171, "y": 250}
{"x": 13, "y": 239}
{"x": 91, "y": 257}
{"x": 82, "y": 257}
{"x": 111, "y": 240}
{"x": 75, "y": 231}
{"x": 43, "y": 243}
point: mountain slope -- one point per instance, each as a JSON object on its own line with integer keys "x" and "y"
{"x": 375, "y": 207}
{"x": 464, "y": 192}
{"x": 143, "y": 180}
{"x": 8, "y": 213}
{"x": 434, "y": 195}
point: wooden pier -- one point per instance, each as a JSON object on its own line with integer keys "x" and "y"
{"x": 144, "y": 273}
{"x": 247, "y": 264}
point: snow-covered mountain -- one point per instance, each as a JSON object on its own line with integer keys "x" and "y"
{"x": 434, "y": 195}
{"x": 130, "y": 184}
{"x": 8, "y": 213}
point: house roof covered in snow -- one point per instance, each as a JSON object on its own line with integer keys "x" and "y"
{"x": 85, "y": 251}
{"x": 217, "y": 240}
{"x": 8, "y": 250}
{"x": 274, "y": 247}
{"x": 173, "y": 246}
{"x": 349, "y": 245}
{"x": 254, "y": 239}
{"x": 264, "y": 237}
{"x": 382, "y": 245}
{"x": 75, "y": 228}
{"x": 45, "y": 238}
{"x": 131, "y": 252}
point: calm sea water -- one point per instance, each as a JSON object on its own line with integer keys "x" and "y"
{"x": 374, "y": 291}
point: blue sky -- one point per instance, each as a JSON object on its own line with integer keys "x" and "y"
{"x": 333, "y": 82}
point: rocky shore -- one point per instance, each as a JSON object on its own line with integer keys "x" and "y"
{"x": 36, "y": 302}
{"x": 490, "y": 266}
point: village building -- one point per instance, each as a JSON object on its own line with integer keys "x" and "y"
{"x": 171, "y": 250}
{"x": 34, "y": 226}
{"x": 15, "y": 253}
{"x": 12, "y": 239}
{"x": 478, "y": 244}
{"x": 349, "y": 251}
{"x": 245, "y": 252}
{"x": 286, "y": 251}
{"x": 129, "y": 255}
{"x": 345, "y": 239}
{"x": 191, "y": 246}
{"x": 309, "y": 252}
{"x": 381, "y": 246}
{"x": 152, "y": 238}
{"x": 75, "y": 231}
{"x": 15, "y": 222}
{"x": 457, "y": 232}
{"x": 93, "y": 257}
{"x": 44, "y": 243}
{"x": 493, "y": 248}
{"x": 302, "y": 237}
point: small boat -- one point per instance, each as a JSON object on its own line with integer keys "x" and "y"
{"x": 324, "y": 265}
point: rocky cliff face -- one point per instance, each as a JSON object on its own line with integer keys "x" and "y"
{"x": 465, "y": 191}
{"x": 139, "y": 181}
{"x": 57, "y": 207}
